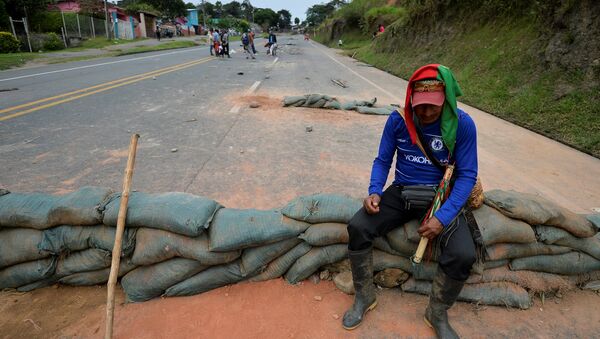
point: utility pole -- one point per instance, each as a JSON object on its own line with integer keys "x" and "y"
{"x": 204, "y": 15}
{"x": 106, "y": 20}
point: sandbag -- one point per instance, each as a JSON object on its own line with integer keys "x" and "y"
{"x": 41, "y": 211}
{"x": 558, "y": 236}
{"x": 83, "y": 261}
{"x": 312, "y": 100}
{"x": 147, "y": 282}
{"x": 66, "y": 239}
{"x": 532, "y": 281}
{"x": 399, "y": 241}
{"x": 509, "y": 251}
{"x": 315, "y": 258}
{"x": 234, "y": 229}
{"x": 354, "y": 104}
{"x": 495, "y": 293}
{"x": 279, "y": 266}
{"x": 96, "y": 277}
{"x": 26, "y": 273}
{"x": 326, "y": 234}
{"x": 497, "y": 228}
{"x": 386, "y": 110}
{"x": 256, "y": 258}
{"x": 425, "y": 270}
{"x": 19, "y": 245}
{"x": 154, "y": 246}
{"x": 176, "y": 212}
{"x": 207, "y": 280}
{"x": 321, "y": 208}
{"x": 382, "y": 244}
{"x": 568, "y": 264}
{"x": 536, "y": 210}
{"x": 595, "y": 220}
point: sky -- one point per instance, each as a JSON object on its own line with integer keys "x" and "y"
{"x": 296, "y": 7}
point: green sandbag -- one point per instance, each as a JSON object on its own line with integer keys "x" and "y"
{"x": 595, "y": 220}
{"x": 257, "y": 258}
{"x": 83, "y": 261}
{"x": 322, "y": 208}
{"x": 425, "y": 270}
{"x": 568, "y": 264}
{"x": 41, "y": 211}
{"x": 497, "y": 228}
{"x": 510, "y": 251}
{"x": 297, "y": 100}
{"x": 214, "y": 277}
{"x": 96, "y": 277}
{"x": 154, "y": 246}
{"x": 175, "y": 212}
{"x": 326, "y": 234}
{"x": 147, "y": 282}
{"x": 399, "y": 241}
{"x": 536, "y": 210}
{"x": 354, "y": 104}
{"x": 376, "y": 110}
{"x": 558, "y": 236}
{"x": 315, "y": 258}
{"x": 65, "y": 239}
{"x": 234, "y": 229}
{"x": 532, "y": 281}
{"x": 279, "y": 266}
{"x": 26, "y": 273}
{"x": 19, "y": 245}
{"x": 382, "y": 244}
{"x": 495, "y": 293}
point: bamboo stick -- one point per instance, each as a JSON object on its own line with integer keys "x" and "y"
{"x": 116, "y": 253}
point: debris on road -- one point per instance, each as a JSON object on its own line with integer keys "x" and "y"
{"x": 339, "y": 83}
{"x": 308, "y": 129}
{"x": 173, "y": 150}
{"x": 254, "y": 105}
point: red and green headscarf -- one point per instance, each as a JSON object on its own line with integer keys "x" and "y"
{"x": 449, "y": 118}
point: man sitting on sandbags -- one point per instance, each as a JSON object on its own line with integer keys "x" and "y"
{"x": 431, "y": 134}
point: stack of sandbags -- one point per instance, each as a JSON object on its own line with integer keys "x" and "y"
{"x": 328, "y": 102}
{"x": 39, "y": 246}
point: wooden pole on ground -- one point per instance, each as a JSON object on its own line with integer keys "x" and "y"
{"x": 116, "y": 253}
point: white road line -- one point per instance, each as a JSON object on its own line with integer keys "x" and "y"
{"x": 236, "y": 108}
{"x": 360, "y": 76}
{"x": 274, "y": 61}
{"x": 94, "y": 65}
{"x": 253, "y": 88}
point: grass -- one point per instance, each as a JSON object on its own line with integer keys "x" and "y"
{"x": 168, "y": 45}
{"x": 498, "y": 70}
{"x": 11, "y": 60}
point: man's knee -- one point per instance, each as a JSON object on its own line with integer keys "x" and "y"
{"x": 359, "y": 224}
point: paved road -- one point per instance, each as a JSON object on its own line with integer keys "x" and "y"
{"x": 240, "y": 156}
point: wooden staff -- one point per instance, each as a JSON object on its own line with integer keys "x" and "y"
{"x": 116, "y": 253}
{"x": 441, "y": 194}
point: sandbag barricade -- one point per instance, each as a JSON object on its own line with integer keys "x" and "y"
{"x": 178, "y": 244}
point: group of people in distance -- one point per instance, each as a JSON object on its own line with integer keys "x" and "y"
{"x": 219, "y": 43}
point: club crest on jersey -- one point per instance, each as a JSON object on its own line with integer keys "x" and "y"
{"x": 436, "y": 144}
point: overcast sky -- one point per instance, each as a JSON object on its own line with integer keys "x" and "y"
{"x": 296, "y": 7}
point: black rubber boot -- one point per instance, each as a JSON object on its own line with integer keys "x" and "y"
{"x": 444, "y": 292}
{"x": 364, "y": 298}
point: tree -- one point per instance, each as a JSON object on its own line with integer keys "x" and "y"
{"x": 234, "y": 9}
{"x": 317, "y": 13}
{"x": 169, "y": 8}
{"x": 297, "y": 20}
{"x": 265, "y": 17}
{"x": 190, "y": 5}
{"x": 207, "y": 8}
{"x": 247, "y": 10}
{"x": 284, "y": 18}
{"x": 91, "y": 7}
{"x": 22, "y": 8}
{"x": 218, "y": 9}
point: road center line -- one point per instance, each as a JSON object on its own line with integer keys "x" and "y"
{"x": 274, "y": 61}
{"x": 358, "y": 75}
{"x": 236, "y": 108}
{"x": 94, "y": 65}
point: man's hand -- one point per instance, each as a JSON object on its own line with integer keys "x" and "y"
{"x": 431, "y": 228}
{"x": 371, "y": 203}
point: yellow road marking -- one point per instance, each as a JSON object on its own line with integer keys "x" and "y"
{"x": 96, "y": 86}
{"x": 14, "y": 115}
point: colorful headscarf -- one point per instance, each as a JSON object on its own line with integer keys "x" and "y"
{"x": 449, "y": 122}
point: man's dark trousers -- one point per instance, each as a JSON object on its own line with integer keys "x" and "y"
{"x": 457, "y": 247}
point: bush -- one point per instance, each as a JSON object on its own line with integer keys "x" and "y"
{"x": 53, "y": 42}
{"x": 8, "y": 43}
{"x": 381, "y": 15}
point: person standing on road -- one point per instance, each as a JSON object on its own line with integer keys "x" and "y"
{"x": 246, "y": 44}
{"x": 430, "y": 134}
{"x": 225, "y": 43}
{"x": 157, "y": 32}
{"x": 211, "y": 41}
{"x": 272, "y": 43}
{"x": 216, "y": 42}
{"x": 251, "y": 36}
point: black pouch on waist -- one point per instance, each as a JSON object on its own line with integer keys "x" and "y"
{"x": 417, "y": 196}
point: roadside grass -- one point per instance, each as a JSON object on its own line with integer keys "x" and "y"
{"x": 168, "y": 45}
{"x": 100, "y": 42}
{"x": 497, "y": 69}
{"x": 10, "y": 60}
